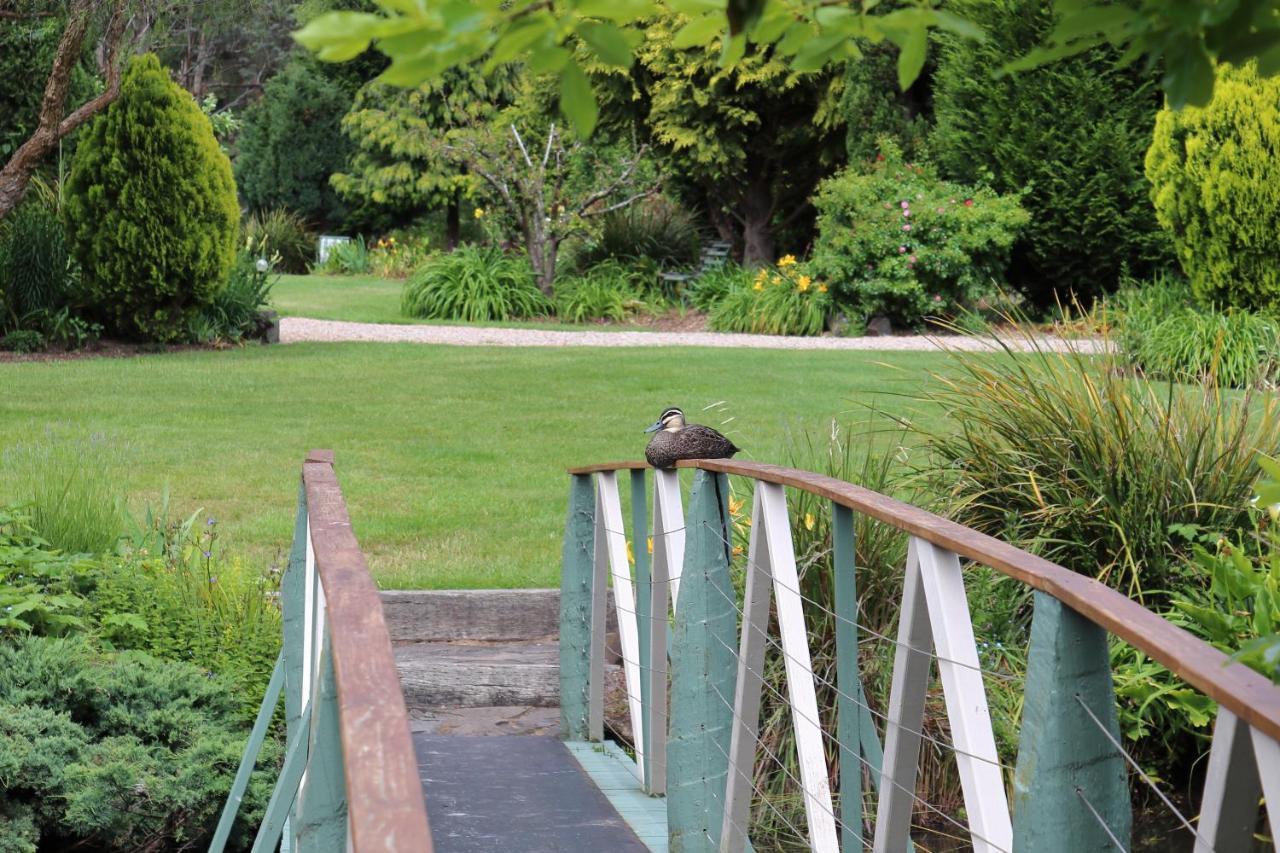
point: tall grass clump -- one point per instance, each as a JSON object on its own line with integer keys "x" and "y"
{"x": 658, "y": 230}
{"x": 475, "y": 284}
{"x": 1166, "y": 335}
{"x": 280, "y": 231}
{"x": 1065, "y": 455}
{"x": 607, "y": 291}
{"x": 71, "y": 489}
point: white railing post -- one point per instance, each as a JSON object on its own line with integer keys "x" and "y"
{"x": 624, "y": 602}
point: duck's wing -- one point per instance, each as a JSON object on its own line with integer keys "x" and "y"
{"x": 703, "y": 442}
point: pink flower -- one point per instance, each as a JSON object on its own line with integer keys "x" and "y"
{"x": 911, "y": 259}
{"x": 942, "y": 210}
{"x": 905, "y": 205}
{"x": 968, "y": 202}
{"x": 906, "y": 227}
{"x": 902, "y": 250}
{"x": 906, "y": 213}
{"x": 937, "y": 298}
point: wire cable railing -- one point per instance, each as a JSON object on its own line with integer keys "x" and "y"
{"x": 715, "y": 653}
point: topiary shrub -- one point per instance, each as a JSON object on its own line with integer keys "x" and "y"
{"x": 151, "y": 208}
{"x": 291, "y": 143}
{"x": 899, "y": 242}
{"x": 1215, "y": 183}
{"x": 1072, "y": 133}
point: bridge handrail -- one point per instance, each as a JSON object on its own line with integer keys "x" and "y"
{"x": 386, "y": 809}
{"x": 349, "y": 777}
{"x": 1246, "y": 693}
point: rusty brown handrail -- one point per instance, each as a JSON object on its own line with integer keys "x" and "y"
{"x": 1245, "y": 693}
{"x": 385, "y": 805}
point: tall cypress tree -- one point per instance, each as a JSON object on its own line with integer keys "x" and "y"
{"x": 151, "y": 208}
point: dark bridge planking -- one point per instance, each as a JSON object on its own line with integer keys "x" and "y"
{"x": 524, "y": 793}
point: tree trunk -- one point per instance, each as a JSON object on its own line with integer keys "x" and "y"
{"x": 756, "y": 213}
{"x": 453, "y": 221}
{"x": 52, "y": 126}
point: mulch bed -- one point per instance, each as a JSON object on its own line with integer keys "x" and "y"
{"x": 109, "y": 349}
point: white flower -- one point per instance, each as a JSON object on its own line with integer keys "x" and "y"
{"x": 263, "y": 265}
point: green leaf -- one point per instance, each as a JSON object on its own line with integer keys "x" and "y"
{"x": 612, "y": 45}
{"x": 953, "y": 23}
{"x": 733, "y": 49}
{"x": 620, "y": 11}
{"x": 577, "y": 101}
{"x": 696, "y": 7}
{"x": 818, "y": 51}
{"x": 521, "y": 37}
{"x": 1038, "y": 56}
{"x": 911, "y": 57}
{"x": 1188, "y": 78}
{"x": 699, "y": 31}
{"x": 549, "y": 59}
{"x": 339, "y": 36}
{"x": 1090, "y": 21}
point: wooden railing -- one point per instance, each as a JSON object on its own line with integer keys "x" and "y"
{"x": 349, "y": 779}
{"x": 696, "y": 719}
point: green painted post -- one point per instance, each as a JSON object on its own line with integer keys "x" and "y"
{"x": 293, "y": 600}
{"x": 644, "y": 601}
{"x": 1063, "y": 757}
{"x": 703, "y": 673}
{"x": 848, "y": 681}
{"x": 576, "y": 568}
{"x": 320, "y": 824}
{"x": 293, "y": 604}
{"x": 282, "y": 797}
{"x": 250, "y": 757}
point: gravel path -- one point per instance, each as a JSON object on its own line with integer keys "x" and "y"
{"x": 296, "y": 329}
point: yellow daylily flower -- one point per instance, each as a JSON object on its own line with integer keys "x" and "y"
{"x": 650, "y": 544}
{"x": 786, "y": 261}
{"x": 822, "y": 288}
{"x": 735, "y": 505}
{"x": 802, "y": 283}
{"x": 631, "y": 557}
{"x": 809, "y": 521}
{"x": 757, "y": 286}
{"x": 479, "y": 213}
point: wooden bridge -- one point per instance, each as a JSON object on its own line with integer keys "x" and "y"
{"x": 693, "y": 625}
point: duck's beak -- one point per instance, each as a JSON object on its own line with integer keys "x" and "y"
{"x": 654, "y": 427}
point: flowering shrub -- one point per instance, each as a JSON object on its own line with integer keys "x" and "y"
{"x": 901, "y": 242}
{"x": 392, "y": 258}
{"x": 785, "y": 300}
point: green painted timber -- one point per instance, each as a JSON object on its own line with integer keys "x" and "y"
{"x": 644, "y": 602}
{"x": 1064, "y": 758}
{"x": 575, "y": 608}
{"x": 614, "y": 773}
{"x": 250, "y": 757}
{"x": 848, "y": 680}
{"x": 293, "y": 601}
{"x": 320, "y": 823}
{"x": 293, "y": 604}
{"x": 703, "y": 673}
{"x": 282, "y": 796}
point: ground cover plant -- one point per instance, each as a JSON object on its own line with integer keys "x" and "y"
{"x": 452, "y": 458}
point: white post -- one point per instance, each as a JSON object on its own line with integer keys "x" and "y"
{"x": 624, "y": 601}
{"x": 1229, "y": 806}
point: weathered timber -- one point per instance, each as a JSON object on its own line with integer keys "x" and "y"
{"x": 1246, "y": 693}
{"x": 456, "y": 675}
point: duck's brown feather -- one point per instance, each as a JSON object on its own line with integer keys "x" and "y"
{"x": 693, "y": 441}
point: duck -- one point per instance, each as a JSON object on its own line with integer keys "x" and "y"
{"x": 675, "y": 439}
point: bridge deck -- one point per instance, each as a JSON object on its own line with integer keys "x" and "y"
{"x": 530, "y": 793}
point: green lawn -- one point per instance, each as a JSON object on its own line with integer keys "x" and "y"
{"x": 369, "y": 299}
{"x": 452, "y": 459}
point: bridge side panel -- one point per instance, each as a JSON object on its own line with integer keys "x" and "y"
{"x": 703, "y": 672}
{"x": 575, "y": 609}
{"x": 1064, "y": 759}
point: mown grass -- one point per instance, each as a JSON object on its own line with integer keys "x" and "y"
{"x": 452, "y": 459}
{"x": 369, "y": 299}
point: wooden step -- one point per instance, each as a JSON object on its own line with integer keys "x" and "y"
{"x": 465, "y": 675}
{"x": 488, "y": 615}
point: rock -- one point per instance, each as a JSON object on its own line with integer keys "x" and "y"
{"x": 879, "y": 327}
